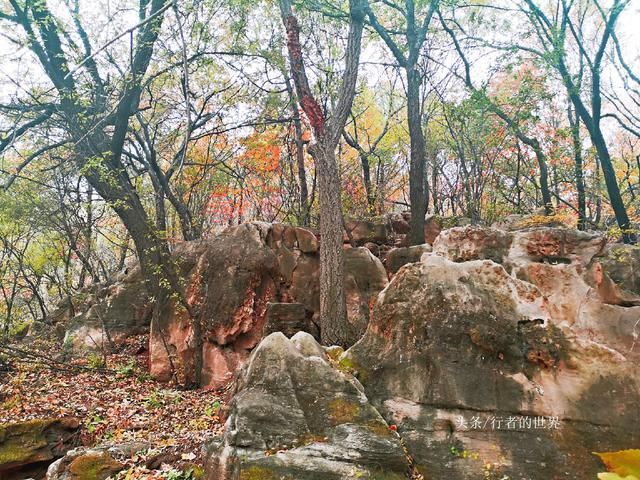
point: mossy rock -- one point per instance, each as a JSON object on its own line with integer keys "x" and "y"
{"x": 334, "y": 352}
{"x": 94, "y": 466}
{"x": 258, "y": 473}
{"x": 344, "y": 411}
{"x": 35, "y": 441}
{"x": 346, "y": 364}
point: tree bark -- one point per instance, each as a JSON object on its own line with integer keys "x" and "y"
{"x": 574, "y": 123}
{"x": 304, "y": 216}
{"x": 418, "y": 192}
{"x": 544, "y": 176}
{"x": 366, "y": 179}
{"x": 333, "y": 308}
{"x": 617, "y": 204}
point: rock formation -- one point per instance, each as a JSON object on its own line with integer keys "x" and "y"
{"x": 26, "y": 446}
{"x": 295, "y": 416}
{"x": 234, "y": 279}
{"x": 520, "y": 365}
{"x": 97, "y": 463}
{"x": 498, "y": 355}
{"x": 108, "y": 314}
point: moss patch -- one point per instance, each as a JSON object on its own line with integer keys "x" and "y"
{"x": 343, "y": 411}
{"x": 24, "y": 442}
{"x": 334, "y": 352}
{"x": 379, "y": 428}
{"x": 258, "y": 473}
{"x": 96, "y": 466}
{"x": 346, "y": 364}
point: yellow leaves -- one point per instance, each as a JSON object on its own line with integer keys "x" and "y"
{"x": 615, "y": 476}
{"x": 622, "y": 465}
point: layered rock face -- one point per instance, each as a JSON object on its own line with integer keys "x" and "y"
{"x": 506, "y": 354}
{"x": 26, "y": 446}
{"x": 498, "y": 355}
{"x": 238, "y": 281}
{"x": 295, "y": 416}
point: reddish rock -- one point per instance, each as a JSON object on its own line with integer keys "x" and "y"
{"x": 363, "y": 231}
{"x": 546, "y": 334}
{"x": 399, "y": 224}
{"x": 232, "y": 281}
{"x": 307, "y": 241}
{"x": 432, "y": 228}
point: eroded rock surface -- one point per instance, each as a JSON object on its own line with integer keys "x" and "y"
{"x": 296, "y": 416}
{"x": 469, "y": 356}
{"x": 233, "y": 278}
{"x": 108, "y": 314}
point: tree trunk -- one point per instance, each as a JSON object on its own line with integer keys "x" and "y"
{"x": 437, "y": 207}
{"x": 304, "y": 217}
{"x": 332, "y": 297}
{"x": 418, "y": 192}
{"x": 366, "y": 178}
{"x": 380, "y": 190}
{"x": 544, "y": 178}
{"x": 333, "y": 310}
{"x": 598, "y": 215}
{"x": 574, "y": 122}
{"x": 609, "y": 174}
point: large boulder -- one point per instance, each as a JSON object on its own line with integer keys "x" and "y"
{"x": 96, "y": 463}
{"x": 377, "y": 230}
{"x": 392, "y": 229}
{"x": 289, "y": 318}
{"x": 461, "y": 244}
{"x": 296, "y": 416}
{"x": 238, "y": 283}
{"x": 399, "y": 257}
{"x": 509, "y": 369}
{"x": 231, "y": 280}
{"x": 365, "y": 277}
{"x": 84, "y": 464}
{"x": 622, "y": 264}
{"x": 26, "y": 446}
{"x": 110, "y": 314}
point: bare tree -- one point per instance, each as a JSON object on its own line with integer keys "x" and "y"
{"x": 512, "y": 123}
{"x": 406, "y": 45}
{"x": 553, "y": 28}
{"x": 327, "y": 131}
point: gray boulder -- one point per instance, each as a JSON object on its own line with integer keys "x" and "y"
{"x": 296, "y": 416}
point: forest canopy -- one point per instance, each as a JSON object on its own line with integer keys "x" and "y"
{"x": 129, "y": 126}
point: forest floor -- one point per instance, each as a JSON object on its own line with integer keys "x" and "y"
{"x": 116, "y": 402}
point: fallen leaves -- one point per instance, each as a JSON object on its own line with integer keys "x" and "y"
{"x": 118, "y": 405}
